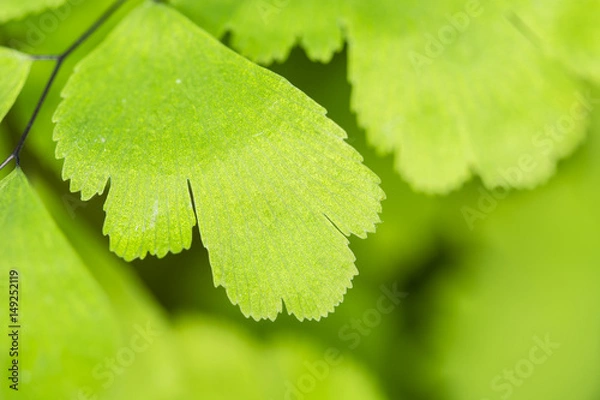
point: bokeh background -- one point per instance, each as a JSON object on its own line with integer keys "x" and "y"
{"x": 503, "y": 307}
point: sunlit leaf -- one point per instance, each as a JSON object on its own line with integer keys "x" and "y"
{"x": 275, "y": 187}
{"x": 408, "y": 231}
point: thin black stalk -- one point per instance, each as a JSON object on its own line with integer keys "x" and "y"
{"x": 59, "y": 59}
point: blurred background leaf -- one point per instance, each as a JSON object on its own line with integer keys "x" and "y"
{"x": 60, "y": 321}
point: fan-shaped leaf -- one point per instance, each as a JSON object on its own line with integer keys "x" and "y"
{"x": 276, "y": 188}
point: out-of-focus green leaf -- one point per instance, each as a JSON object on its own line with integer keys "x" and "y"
{"x": 15, "y": 9}
{"x": 335, "y": 374}
{"x": 286, "y": 367}
{"x": 211, "y": 353}
{"x": 14, "y": 68}
{"x": 276, "y": 189}
{"x": 431, "y": 85}
{"x": 212, "y": 15}
{"x": 66, "y": 324}
{"x": 266, "y": 31}
{"x": 154, "y": 372}
{"x": 519, "y": 317}
{"x": 566, "y": 29}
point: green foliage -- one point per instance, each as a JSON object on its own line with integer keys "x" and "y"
{"x": 426, "y": 79}
{"x": 567, "y": 30}
{"x": 283, "y": 367}
{"x": 449, "y": 117}
{"x": 535, "y": 276}
{"x": 67, "y": 324}
{"x": 16, "y": 9}
{"x": 155, "y": 372}
{"x": 409, "y": 219}
{"x": 266, "y": 31}
{"x": 15, "y": 68}
{"x": 275, "y": 187}
{"x": 178, "y": 130}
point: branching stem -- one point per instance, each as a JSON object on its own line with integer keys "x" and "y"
{"x": 59, "y": 60}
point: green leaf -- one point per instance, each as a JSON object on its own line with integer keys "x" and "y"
{"x": 66, "y": 324}
{"x": 479, "y": 100}
{"x": 337, "y": 374}
{"x": 462, "y": 110}
{"x": 275, "y": 187}
{"x": 535, "y": 276}
{"x": 155, "y": 373}
{"x": 212, "y": 15}
{"x": 14, "y": 67}
{"x": 15, "y": 9}
{"x": 287, "y": 366}
{"x": 568, "y": 30}
{"x": 266, "y": 30}
{"x": 409, "y": 231}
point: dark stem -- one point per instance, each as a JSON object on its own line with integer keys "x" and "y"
{"x": 59, "y": 59}
{"x": 107, "y": 14}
